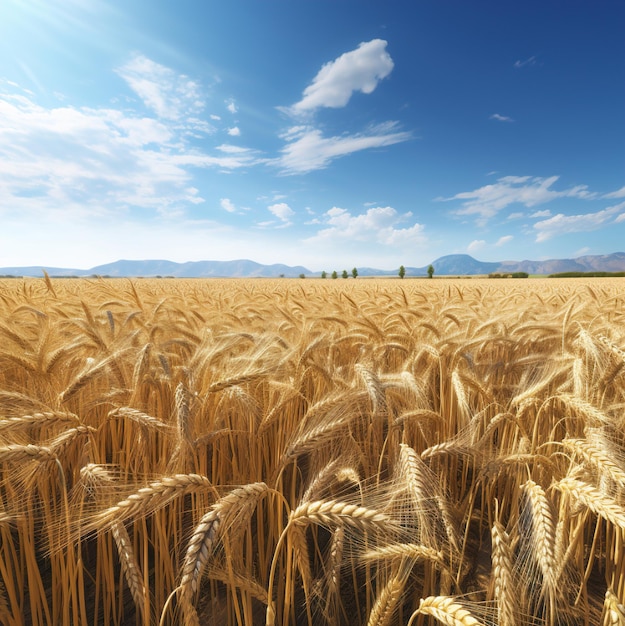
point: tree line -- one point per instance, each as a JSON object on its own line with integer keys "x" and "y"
{"x": 401, "y": 273}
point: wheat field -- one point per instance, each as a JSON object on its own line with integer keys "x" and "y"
{"x": 294, "y": 452}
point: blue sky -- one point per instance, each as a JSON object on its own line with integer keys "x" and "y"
{"x": 326, "y": 133}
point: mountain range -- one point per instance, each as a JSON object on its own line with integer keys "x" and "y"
{"x": 449, "y": 265}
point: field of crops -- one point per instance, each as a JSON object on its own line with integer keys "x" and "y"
{"x": 362, "y": 452}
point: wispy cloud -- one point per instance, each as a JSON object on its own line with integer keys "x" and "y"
{"x": 488, "y": 201}
{"x": 231, "y": 106}
{"x": 524, "y": 63}
{"x": 561, "y": 224}
{"x": 502, "y": 241}
{"x": 170, "y": 95}
{"x": 307, "y": 149}
{"x": 620, "y": 193}
{"x": 501, "y": 118}
{"x": 380, "y": 225}
{"x": 544, "y": 213}
{"x": 358, "y": 70}
{"x": 85, "y": 161}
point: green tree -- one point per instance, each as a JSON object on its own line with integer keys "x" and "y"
{"x": 324, "y": 274}
{"x": 334, "y": 274}
{"x": 354, "y": 272}
{"x": 402, "y": 271}
{"x": 344, "y": 274}
{"x": 430, "y": 271}
{"x": 302, "y": 275}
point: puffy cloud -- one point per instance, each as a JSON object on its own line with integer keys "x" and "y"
{"x": 378, "y": 225}
{"x": 358, "y": 70}
{"x": 231, "y": 106}
{"x": 235, "y": 131}
{"x": 475, "y": 245}
{"x": 227, "y": 205}
{"x": 307, "y": 149}
{"x": 282, "y": 211}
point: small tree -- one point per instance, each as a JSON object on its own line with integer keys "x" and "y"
{"x": 354, "y": 272}
{"x": 430, "y": 271}
{"x": 344, "y": 274}
{"x": 402, "y": 271}
{"x": 302, "y": 275}
{"x": 334, "y": 274}
{"x": 323, "y": 274}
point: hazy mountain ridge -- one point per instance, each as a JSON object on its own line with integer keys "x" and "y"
{"x": 449, "y": 265}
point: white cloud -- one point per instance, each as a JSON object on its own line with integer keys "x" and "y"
{"x": 561, "y": 224}
{"x": 80, "y": 161}
{"x": 235, "y": 131}
{"x": 620, "y": 218}
{"x": 620, "y": 193}
{"x": 214, "y": 117}
{"x": 227, "y": 205}
{"x": 170, "y": 95}
{"x": 231, "y": 106}
{"x": 307, "y": 149}
{"x": 376, "y": 225}
{"x": 358, "y": 70}
{"x": 489, "y": 200}
{"x": 517, "y": 215}
{"x": 531, "y": 61}
{"x": 501, "y": 118}
{"x": 282, "y": 211}
{"x": 502, "y": 241}
{"x": 475, "y": 245}
{"x": 230, "y": 149}
{"x": 544, "y": 213}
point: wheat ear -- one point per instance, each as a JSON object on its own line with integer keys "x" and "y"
{"x": 543, "y": 531}
{"x": 594, "y": 499}
{"x": 332, "y": 513}
{"x": 386, "y": 602}
{"x": 148, "y": 499}
{"x": 597, "y": 456}
{"x": 613, "y": 610}
{"x": 130, "y": 567}
{"x": 236, "y": 506}
{"x": 446, "y": 610}
{"x": 504, "y": 587}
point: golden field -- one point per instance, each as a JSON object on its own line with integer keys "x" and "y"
{"x": 368, "y": 452}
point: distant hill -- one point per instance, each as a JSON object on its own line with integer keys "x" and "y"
{"x": 241, "y": 268}
{"x": 449, "y": 265}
